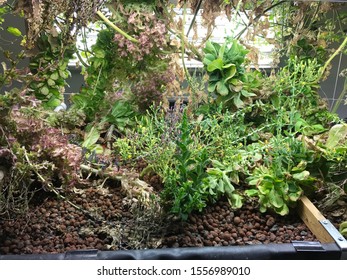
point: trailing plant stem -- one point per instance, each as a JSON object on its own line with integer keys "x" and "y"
{"x": 45, "y": 181}
{"x": 116, "y": 28}
{"x": 322, "y": 70}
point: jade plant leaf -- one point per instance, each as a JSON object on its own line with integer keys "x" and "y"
{"x": 55, "y": 76}
{"x": 50, "y": 82}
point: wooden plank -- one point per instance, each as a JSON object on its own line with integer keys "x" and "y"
{"x": 311, "y": 216}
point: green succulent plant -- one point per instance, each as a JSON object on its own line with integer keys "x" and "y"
{"x": 228, "y": 78}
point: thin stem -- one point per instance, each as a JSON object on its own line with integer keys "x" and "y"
{"x": 183, "y": 49}
{"x": 342, "y": 95}
{"x": 116, "y": 28}
{"x": 97, "y": 81}
{"x": 86, "y": 49}
{"x": 100, "y": 173}
{"x": 258, "y": 17}
{"x": 194, "y": 17}
{"x": 237, "y": 9}
{"x": 48, "y": 183}
{"x": 177, "y": 34}
{"x": 81, "y": 60}
{"x": 322, "y": 70}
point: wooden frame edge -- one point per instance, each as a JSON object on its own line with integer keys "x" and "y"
{"x": 311, "y": 216}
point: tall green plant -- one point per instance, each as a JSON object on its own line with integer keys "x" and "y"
{"x": 183, "y": 190}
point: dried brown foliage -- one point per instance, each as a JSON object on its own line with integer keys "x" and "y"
{"x": 41, "y": 15}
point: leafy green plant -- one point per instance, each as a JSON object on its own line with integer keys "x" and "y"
{"x": 183, "y": 185}
{"x": 227, "y": 74}
{"x": 122, "y": 115}
{"x": 276, "y": 190}
{"x": 90, "y": 142}
{"x": 51, "y": 73}
{"x": 270, "y": 136}
{"x": 334, "y": 150}
{"x": 91, "y": 98}
{"x": 284, "y": 174}
{"x": 124, "y": 148}
{"x": 219, "y": 182}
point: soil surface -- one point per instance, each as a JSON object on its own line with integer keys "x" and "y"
{"x": 107, "y": 220}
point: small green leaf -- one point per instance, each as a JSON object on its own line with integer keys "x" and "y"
{"x": 301, "y": 176}
{"x": 99, "y": 53}
{"x": 257, "y": 157}
{"x": 44, "y": 90}
{"x": 230, "y": 72}
{"x": 343, "y": 228}
{"x": 294, "y": 196}
{"x": 222, "y": 88}
{"x": 337, "y": 134}
{"x": 236, "y": 88}
{"x": 215, "y": 64}
{"x": 55, "y": 92}
{"x": 212, "y": 86}
{"x": 221, "y": 51}
{"x": 91, "y": 138}
{"x": 245, "y": 93}
{"x": 50, "y": 82}
{"x": 253, "y": 182}
{"x": 98, "y": 149}
{"x": 251, "y": 192}
{"x": 230, "y": 65}
{"x": 14, "y": 31}
{"x": 284, "y": 210}
{"x": 235, "y": 82}
{"x": 220, "y": 187}
{"x": 265, "y": 187}
{"x": 300, "y": 167}
{"x": 276, "y": 199}
{"x": 237, "y": 101}
{"x": 235, "y": 201}
{"x": 53, "y": 102}
{"x": 210, "y": 48}
{"x": 55, "y": 76}
{"x": 208, "y": 58}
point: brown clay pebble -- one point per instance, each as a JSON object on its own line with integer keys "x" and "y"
{"x": 237, "y": 220}
{"x": 270, "y": 222}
